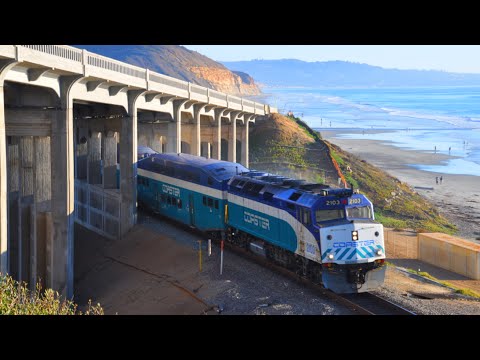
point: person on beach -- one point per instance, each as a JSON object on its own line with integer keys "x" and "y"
{"x": 436, "y": 179}
{"x": 435, "y": 149}
{"x": 449, "y": 149}
{"x": 441, "y": 179}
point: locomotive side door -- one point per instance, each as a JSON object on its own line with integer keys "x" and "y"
{"x": 299, "y": 231}
{"x": 191, "y": 209}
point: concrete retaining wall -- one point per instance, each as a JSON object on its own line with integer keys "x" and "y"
{"x": 401, "y": 244}
{"x": 451, "y": 253}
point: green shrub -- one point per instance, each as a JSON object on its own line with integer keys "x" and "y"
{"x": 17, "y": 299}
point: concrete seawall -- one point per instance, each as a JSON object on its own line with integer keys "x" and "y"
{"x": 441, "y": 250}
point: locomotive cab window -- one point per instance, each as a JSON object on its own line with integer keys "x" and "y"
{"x": 305, "y": 216}
{"x": 295, "y": 196}
{"x": 361, "y": 212}
{"x": 329, "y": 215}
{"x": 210, "y": 202}
{"x": 216, "y": 204}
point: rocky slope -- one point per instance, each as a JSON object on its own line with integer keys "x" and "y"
{"x": 180, "y": 63}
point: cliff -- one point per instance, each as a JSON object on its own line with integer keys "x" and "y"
{"x": 180, "y": 63}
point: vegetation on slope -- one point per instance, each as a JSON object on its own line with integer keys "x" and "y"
{"x": 396, "y": 204}
{"x": 315, "y": 135}
{"x": 292, "y": 143}
{"x": 17, "y": 299}
{"x": 279, "y": 139}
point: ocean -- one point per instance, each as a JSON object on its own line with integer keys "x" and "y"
{"x": 441, "y": 119}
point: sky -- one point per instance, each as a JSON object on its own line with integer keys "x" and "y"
{"x": 451, "y": 58}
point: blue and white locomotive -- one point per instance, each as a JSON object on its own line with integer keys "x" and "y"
{"x": 328, "y": 235}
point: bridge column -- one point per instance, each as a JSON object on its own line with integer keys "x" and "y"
{"x": 94, "y": 159}
{"x": 174, "y": 143}
{"x": 157, "y": 140}
{"x": 128, "y": 164}
{"x": 197, "y": 138}
{"x": 206, "y": 150}
{"x": 232, "y": 141}
{"x": 5, "y": 66}
{"x": 3, "y": 189}
{"x": 244, "y": 157}
{"x": 60, "y": 249}
{"x": 217, "y": 145}
{"x": 109, "y": 149}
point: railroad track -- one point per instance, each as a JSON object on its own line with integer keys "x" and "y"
{"x": 360, "y": 304}
{"x": 374, "y": 305}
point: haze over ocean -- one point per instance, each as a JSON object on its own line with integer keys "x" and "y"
{"x": 413, "y": 118}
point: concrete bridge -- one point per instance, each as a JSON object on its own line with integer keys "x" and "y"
{"x": 68, "y": 120}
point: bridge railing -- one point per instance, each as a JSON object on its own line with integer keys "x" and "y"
{"x": 260, "y": 108}
{"x": 235, "y": 102}
{"x": 132, "y": 75}
{"x": 198, "y": 93}
{"x": 7, "y": 51}
{"x": 68, "y": 58}
{"x": 62, "y": 51}
{"x": 60, "y": 57}
{"x": 218, "y": 98}
{"x": 249, "y": 106}
{"x": 168, "y": 84}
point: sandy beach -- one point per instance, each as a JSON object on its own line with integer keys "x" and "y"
{"x": 458, "y": 197}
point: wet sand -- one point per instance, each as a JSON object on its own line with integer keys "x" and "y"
{"x": 458, "y": 197}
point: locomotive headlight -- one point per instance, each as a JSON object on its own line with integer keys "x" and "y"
{"x": 330, "y": 256}
{"x": 379, "y": 252}
{"x": 354, "y": 235}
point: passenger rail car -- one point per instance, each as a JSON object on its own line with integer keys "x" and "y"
{"x": 186, "y": 188}
{"x": 328, "y": 235}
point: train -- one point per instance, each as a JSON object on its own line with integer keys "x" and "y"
{"x": 328, "y": 235}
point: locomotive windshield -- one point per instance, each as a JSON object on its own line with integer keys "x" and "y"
{"x": 329, "y": 215}
{"x": 361, "y": 212}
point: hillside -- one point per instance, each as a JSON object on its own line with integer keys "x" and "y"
{"x": 286, "y": 146}
{"x": 279, "y": 144}
{"x": 290, "y": 72}
{"x": 180, "y": 63}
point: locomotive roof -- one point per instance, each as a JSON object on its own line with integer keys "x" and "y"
{"x": 284, "y": 188}
{"x": 219, "y": 169}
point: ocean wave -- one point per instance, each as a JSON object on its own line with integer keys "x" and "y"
{"x": 457, "y": 121}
